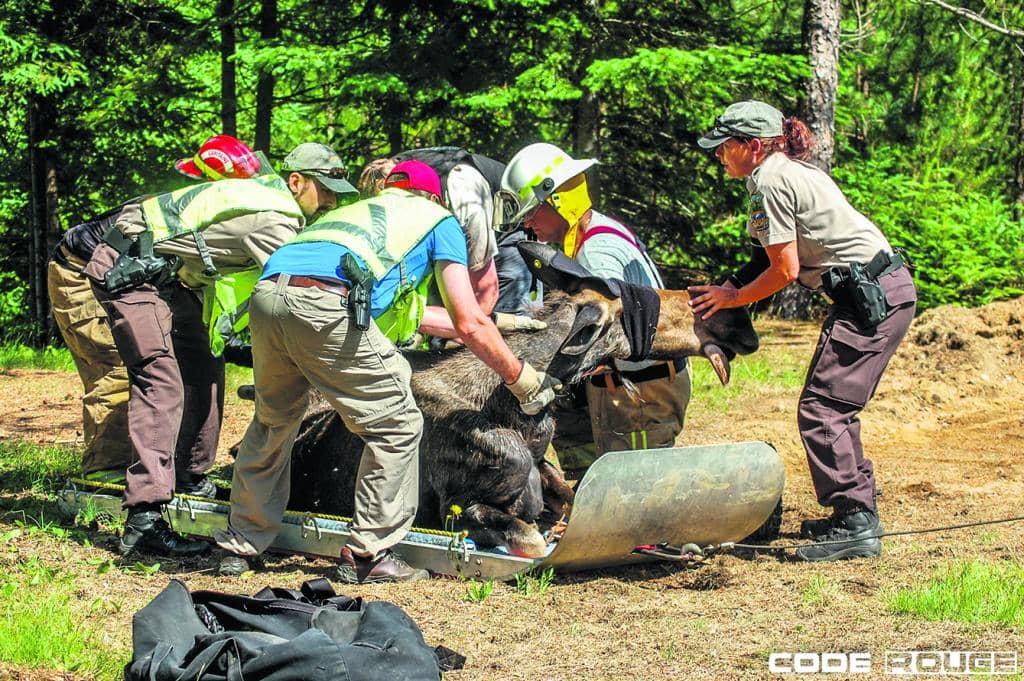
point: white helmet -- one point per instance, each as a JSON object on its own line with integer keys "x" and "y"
{"x": 536, "y": 171}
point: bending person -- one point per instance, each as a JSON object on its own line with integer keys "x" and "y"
{"x": 808, "y": 232}
{"x": 326, "y": 314}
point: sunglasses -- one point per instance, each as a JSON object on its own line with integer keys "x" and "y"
{"x": 731, "y": 130}
{"x": 332, "y": 173}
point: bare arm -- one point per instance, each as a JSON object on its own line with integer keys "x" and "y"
{"x": 472, "y": 325}
{"x": 784, "y": 268}
{"x": 484, "y": 281}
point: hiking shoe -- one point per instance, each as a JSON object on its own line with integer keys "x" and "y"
{"x": 858, "y": 533}
{"x": 146, "y": 531}
{"x": 196, "y": 486}
{"x": 233, "y": 565}
{"x": 386, "y": 566}
{"x": 247, "y": 392}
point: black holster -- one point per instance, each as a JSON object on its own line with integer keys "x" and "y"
{"x": 136, "y": 264}
{"x": 856, "y": 288}
{"x": 362, "y": 282}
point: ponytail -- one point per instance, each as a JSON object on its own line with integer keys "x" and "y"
{"x": 798, "y": 138}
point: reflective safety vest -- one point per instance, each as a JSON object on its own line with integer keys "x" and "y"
{"x": 381, "y": 231}
{"x": 191, "y": 210}
{"x": 226, "y": 306}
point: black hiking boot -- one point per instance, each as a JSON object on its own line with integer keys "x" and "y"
{"x": 386, "y": 566}
{"x": 196, "y": 485}
{"x": 857, "y": 530}
{"x": 817, "y": 527}
{"x": 146, "y": 531}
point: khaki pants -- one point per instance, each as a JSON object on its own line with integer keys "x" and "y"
{"x": 617, "y": 423}
{"x": 303, "y": 337}
{"x": 654, "y": 421}
{"x": 83, "y": 324}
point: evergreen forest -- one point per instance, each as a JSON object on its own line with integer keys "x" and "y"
{"x": 920, "y": 104}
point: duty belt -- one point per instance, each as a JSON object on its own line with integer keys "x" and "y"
{"x": 660, "y": 370}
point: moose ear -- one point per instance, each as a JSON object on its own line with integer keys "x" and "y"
{"x": 586, "y": 329}
{"x": 556, "y": 270}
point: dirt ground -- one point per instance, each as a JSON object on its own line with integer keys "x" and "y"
{"x": 946, "y": 433}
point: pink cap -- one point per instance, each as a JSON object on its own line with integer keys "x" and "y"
{"x": 414, "y": 175}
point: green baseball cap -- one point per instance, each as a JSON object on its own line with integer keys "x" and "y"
{"x": 749, "y": 118}
{"x": 320, "y": 162}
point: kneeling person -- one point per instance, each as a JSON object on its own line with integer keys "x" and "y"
{"x": 311, "y": 327}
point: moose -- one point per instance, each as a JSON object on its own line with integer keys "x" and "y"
{"x": 479, "y": 451}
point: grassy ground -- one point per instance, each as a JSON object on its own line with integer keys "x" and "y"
{"x": 938, "y": 463}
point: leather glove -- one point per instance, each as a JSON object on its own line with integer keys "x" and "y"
{"x": 534, "y": 389}
{"x": 517, "y": 322}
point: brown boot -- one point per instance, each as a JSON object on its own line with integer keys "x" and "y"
{"x": 386, "y": 566}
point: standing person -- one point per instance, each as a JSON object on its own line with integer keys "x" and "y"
{"x": 147, "y": 273}
{"x": 808, "y": 232}
{"x": 556, "y": 205}
{"x": 84, "y": 325}
{"x": 330, "y": 306}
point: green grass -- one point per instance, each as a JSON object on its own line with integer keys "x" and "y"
{"x": 44, "y": 625}
{"x": 24, "y": 465}
{"x": 820, "y": 590}
{"x": 971, "y": 592}
{"x": 749, "y": 374}
{"x": 17, "y": 356}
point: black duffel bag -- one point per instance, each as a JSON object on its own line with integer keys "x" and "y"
{"x": 278, "y": 635}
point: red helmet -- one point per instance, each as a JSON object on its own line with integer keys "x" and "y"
{"x": 220, "y": 157}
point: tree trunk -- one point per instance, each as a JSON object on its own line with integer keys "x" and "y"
{"x": 228, "y": 97}
{"x": 43, "y": 206}
{"x": 265, "y": 84}
{"x": 587, "y": 134}
{"x": 821, "y": 42}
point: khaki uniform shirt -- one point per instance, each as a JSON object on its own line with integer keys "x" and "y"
{"x": 234, "y": 244}
{"x": 473, "y": 206}
{"x": 795, "y": 201}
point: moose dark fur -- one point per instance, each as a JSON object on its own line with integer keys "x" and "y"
{"x": 479, "y": 451}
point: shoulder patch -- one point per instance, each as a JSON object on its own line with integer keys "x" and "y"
{"x": 758, "y": 221}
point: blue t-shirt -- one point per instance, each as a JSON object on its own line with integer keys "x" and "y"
{"x": 323, "y": 259}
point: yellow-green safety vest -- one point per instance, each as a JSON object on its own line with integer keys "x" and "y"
{"x": 191, "y": 210}
{"x": 381, "y": 231}
{"x": 226, "y": 306}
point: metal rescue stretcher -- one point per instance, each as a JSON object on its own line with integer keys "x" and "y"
{"x": 703, "y": 495}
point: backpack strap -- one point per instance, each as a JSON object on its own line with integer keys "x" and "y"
{"x": 601, "y": 229}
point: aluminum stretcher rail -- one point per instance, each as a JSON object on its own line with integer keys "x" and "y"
{"x": 706, "y": 494}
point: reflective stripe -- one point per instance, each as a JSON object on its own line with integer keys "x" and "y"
{"x": 546, "y": 171}
{"x": 226, "y": 306}
{"x": 381, "y": 230}
{"x": 197, "y": 207}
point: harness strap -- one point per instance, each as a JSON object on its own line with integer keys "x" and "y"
{"x": 600, "y": 229}
{"x": 209, "y": 269}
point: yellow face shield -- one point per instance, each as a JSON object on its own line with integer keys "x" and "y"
{"x": 572, "y": 203}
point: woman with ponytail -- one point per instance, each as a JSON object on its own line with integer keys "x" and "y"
{"x": 803, "y": 229}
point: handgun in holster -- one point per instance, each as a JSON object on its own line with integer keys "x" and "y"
{"x": 136, "y": 264}
{"x": 362, "y": 281}
{"x": 859, "y": 292}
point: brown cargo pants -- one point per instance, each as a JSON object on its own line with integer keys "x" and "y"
{"x": 844, "y": 373}
{"x": 302, "y": 338}
{"x": 176, "y": 395}
{"x": 83, "y": 324}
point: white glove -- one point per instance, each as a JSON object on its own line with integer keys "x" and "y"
{"x": 517, "y": 322}
{"x": 534, "y": 390}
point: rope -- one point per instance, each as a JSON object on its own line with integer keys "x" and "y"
{"x": 726, "y": 546}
